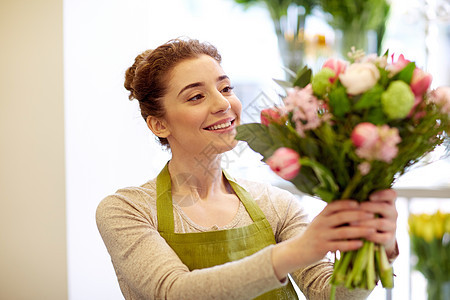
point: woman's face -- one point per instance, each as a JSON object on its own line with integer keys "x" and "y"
{"x": 202, "y": 111}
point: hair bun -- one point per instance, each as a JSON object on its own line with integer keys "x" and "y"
{"x": 130, "y": 74}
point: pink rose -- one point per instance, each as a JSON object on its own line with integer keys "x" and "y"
{"x": 285, "y": 163}
{"x": 270, "y": 115}
{"x": 364, "y": 134}
{"x": 338, "y": 66}
{"x": 441, "y": 97}
{"x": 420, "y": 82}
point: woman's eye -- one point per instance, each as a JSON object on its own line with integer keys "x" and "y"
{"x": 227, "y": 89}
{"x": 196, "y": 97}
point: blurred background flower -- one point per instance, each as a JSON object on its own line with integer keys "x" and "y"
{"x": 430, "y": 246}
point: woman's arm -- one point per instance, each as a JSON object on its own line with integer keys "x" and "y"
{"x": 147, "y": 268}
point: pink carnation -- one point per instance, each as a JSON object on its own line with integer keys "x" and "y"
{"x": 304, "y": 107}
{"x": 285, "y": 163}
{"x": 441, "y": 97}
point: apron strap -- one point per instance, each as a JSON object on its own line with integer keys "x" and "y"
{"x": 165, "y": 207}
{"x": 252, "y": 208}
{"x": 164, "y": 201}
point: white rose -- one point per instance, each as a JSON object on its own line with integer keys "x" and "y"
{"x": 359, "y": 77}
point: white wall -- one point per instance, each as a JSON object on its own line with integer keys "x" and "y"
{"x": 32, "y": 180}
{"x": 108, "y": 145}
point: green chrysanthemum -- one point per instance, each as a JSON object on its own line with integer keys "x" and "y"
{"x": 321, "y": 81}
{"x": 397, "y": 100}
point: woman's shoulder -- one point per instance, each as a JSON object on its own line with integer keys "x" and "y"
{"x": 132, "y": 200}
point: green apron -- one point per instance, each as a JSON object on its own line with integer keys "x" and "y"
{"x": 198, "y": 250}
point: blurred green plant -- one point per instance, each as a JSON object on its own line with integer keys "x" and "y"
{"x": 430, "y": 244}
{"x": 355, "y": 18}
{"x": 288, "y": 17}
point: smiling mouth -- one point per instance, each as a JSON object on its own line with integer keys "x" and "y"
{"x": 220, "y": 126}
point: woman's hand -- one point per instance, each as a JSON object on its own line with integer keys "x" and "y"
{"x": 339, "y": 226}
{"x": 382, "y": 203}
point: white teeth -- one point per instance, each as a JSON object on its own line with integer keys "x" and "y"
{"x": 220, "y": 126}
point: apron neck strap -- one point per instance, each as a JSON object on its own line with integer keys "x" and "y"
{"x": 165, "y": 207}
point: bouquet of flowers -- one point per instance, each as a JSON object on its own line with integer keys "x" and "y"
{"x": 349, "y": 130}
{"x": 430, "y": 244}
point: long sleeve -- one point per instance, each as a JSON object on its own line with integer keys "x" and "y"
{"x": 147, "y": 268}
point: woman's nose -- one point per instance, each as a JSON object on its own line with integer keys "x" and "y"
{"x": 221, "y": 103}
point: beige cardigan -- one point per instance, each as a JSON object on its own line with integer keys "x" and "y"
{"x": 147, "y": 268}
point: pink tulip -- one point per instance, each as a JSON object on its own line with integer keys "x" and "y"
{"x": 413, "y": 112}
{"x": 399, "y": 65}
{"x": 420, "y": 82}
{"x": 364, "y": 134}
{"x": 338, "y": 66}
{"x": 270, "y": 115}
{"x": 285, "y": 163}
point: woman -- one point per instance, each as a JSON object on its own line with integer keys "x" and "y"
{"x": 194, "y": 232}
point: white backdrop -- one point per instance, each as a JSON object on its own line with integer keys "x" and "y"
{"x": 107, "y": 143}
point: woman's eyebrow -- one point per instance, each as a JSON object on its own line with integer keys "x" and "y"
{"x": 222, "y": 77}
{"x": 192, "y": 85}
{"x": 197, "y": 84}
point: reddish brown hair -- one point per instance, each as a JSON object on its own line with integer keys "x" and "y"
{"x": 147, "y": 78}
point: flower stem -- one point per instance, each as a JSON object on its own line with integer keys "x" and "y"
{"x": 351, "y": 186}
{"x": 370, "y": 270}
{"x": 385, "y": 269}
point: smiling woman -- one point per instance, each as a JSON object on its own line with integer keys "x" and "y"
{"x": 195, "y": 232}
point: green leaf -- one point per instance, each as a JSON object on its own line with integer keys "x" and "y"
{"x": 371, "y": 98}
{"x": 257, "y": 137}
{"x": 339, "y": 102}
{"x": 281, "y": 136}
{"x": 305, "y": 181}
{"x": 325, "y": 177}
{"x": 283, "y": 83}
{"x": 289, "y": 71}
{"x": 376, "y": 116}
{"x": 324, "y": 194}
{"x": 407, "y": 72}
{"x": 303, "y": 77}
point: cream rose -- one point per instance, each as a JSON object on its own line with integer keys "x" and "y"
{"x": 359, "y": 77}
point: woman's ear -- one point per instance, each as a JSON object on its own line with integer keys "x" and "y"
{"x": 158, "y": 127}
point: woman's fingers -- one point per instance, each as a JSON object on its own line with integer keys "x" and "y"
{"x": 345, "y": 245}
{"x": 339, "y": 205}
{"x": 387, "y": 195}
{"x": 380, "y": 224}
{"x": 383, "y": 209}
{"x": 350, "y": 232}
{"x": 348, "y": 217}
